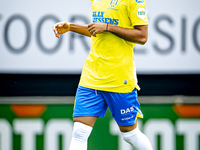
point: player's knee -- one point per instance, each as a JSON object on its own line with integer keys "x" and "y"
{"x": 80, "y": 134}
{"x": 127, "y": 139}
{"x": 137, "y": 140}
{"x": 81, "y": 131}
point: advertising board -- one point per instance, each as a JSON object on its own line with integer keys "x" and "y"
{"x": 49, "y": 127}
{"x": 28, "y": 44}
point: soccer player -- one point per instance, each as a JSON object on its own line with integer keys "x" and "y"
{"x": 109, "y": 77}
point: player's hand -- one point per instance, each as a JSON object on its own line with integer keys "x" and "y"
{"x": 60, "y": 28}
{"x": 96, "y": 28}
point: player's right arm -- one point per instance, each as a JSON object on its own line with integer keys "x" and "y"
{"x": 63, "y": 27}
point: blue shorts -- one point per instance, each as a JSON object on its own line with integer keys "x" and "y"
{"x": 125, "y": 107}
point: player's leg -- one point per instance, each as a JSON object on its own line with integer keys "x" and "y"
{"x": 128, "y": 128}
{"x": 81, "y": 131}
{"x": 125, "y": 109}
{"x": 89, "y": 104}
{"x": 132, "y": 135}
{"x": 87, "y": 120}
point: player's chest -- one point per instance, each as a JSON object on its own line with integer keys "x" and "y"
{"x": 108, "y": 5}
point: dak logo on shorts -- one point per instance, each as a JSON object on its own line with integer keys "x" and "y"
{"x": 113, "y": 3}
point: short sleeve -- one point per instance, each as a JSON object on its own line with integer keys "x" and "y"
{"x": 137, "y": 12}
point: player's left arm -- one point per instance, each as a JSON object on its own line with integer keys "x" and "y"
{"x": 139, "y": 34}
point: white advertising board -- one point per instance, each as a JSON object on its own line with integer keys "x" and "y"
{"x": 28, "y": 44}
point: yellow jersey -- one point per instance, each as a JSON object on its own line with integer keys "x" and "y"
{"x": 110, "y": 65}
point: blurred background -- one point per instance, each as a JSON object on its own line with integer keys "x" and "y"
{"x": 39, "y": 75}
